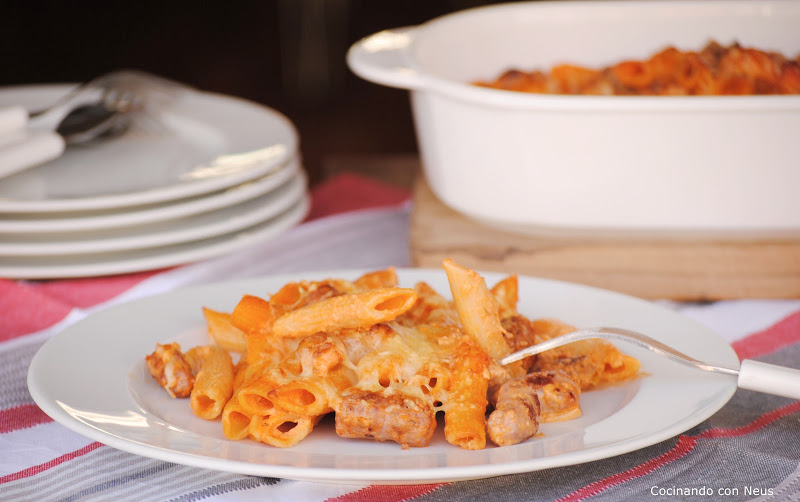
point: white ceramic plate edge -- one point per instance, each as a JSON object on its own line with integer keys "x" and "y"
{"x": 148, "y": 214}
{"x": 149, "y": 259}
{"x": 225, "y": 221}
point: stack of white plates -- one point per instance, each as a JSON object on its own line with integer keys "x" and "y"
{"x": 216, "y": 175}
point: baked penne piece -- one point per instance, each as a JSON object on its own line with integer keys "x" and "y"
{"x": 295, "y": 295}
{"x": 253, "y": 396}
{"x": 477, "y": 308}
{"x": 282, "y": 428}
{"x": 255, "y": 317}
{"x": 430, "y": 308}
{"x": 591, "y": 363}
{"x": 240, "y": 372}
{"x": 545, "y": 329}
{"x": 213, "y": 381}
{"x": 465, "y": 410}
{"x": 306, "y": 382}
{"x": 223, "y": 333}
{"x": 351, "y": 311}
{"x": 506, "y": 292}
{"x": 307, "y": 396}
{"x": 386, "y": 278}
{"x": 236, "y": 420}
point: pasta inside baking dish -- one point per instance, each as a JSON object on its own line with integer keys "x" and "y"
{"x": 388, "y": 362}
{"x": 715, "y": 70}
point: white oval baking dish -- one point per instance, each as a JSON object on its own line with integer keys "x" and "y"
{"x": 721, "y": 165}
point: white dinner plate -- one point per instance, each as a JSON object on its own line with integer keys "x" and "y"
{"x": 76, "y": 221}
{"x": 205, "y": 142}
{"x": 95, "y": 264}
{"x": 93, "y": 380}
{"x": 190, "y": 228}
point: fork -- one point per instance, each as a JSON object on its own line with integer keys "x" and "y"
{"x": 753, "y": 375}
{"x": 123, "y": 95}
{"x": 100, "y": 108}
{"x": 122, "y": 90}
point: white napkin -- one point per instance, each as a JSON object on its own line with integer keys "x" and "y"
{"x": 21, "y": 147}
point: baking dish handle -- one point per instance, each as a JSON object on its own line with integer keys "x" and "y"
{"x": 383, "y": 58}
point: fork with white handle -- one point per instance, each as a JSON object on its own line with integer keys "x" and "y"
{"x": 100, "y": 108}
{"x": 752, "y": 375}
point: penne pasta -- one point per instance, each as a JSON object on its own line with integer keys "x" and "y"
{"x": 507, "y": 294}
{"x": 386, "y": 278}
{"x": 465, "y": 412}
{"x": 295, "y": 295}
{"x": 253, "y": 396}
{"x": 592, "y": 363}
{"x": 384, "y": 361}
{"x": 477, "y": 308}
{"x": 255, "y": 317}
{"x": 222, "y": 332}
{"x": 430, "y": 308}
{"x": 239, "y": 372}
{"x": 351, "y": 311}
{"x": 282, "y": 429}
{"x": 213, "y": 382}
{"x": 309, "y": 396}
{"x": 235, "y": 420}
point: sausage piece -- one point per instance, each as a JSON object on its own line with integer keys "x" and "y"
{"x": 385, "y": 417}
{"x": 522, "y": 403}
{"x": 516, "y": 413}
{"x": 171, "y": 369}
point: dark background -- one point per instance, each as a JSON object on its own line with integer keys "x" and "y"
{"x": 286, "y": 54}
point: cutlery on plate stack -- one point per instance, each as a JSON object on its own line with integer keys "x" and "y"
{"x": 22, "y": 147}
{"x": 197, "y": 176}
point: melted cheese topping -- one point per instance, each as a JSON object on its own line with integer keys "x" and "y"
{"x": 410, "y": 361}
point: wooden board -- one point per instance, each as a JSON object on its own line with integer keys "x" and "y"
{"x": 687, "y": 270}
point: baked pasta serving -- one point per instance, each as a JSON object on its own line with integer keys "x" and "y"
{"x": 387, "y": 362}
{"x": 712, "y": 71}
